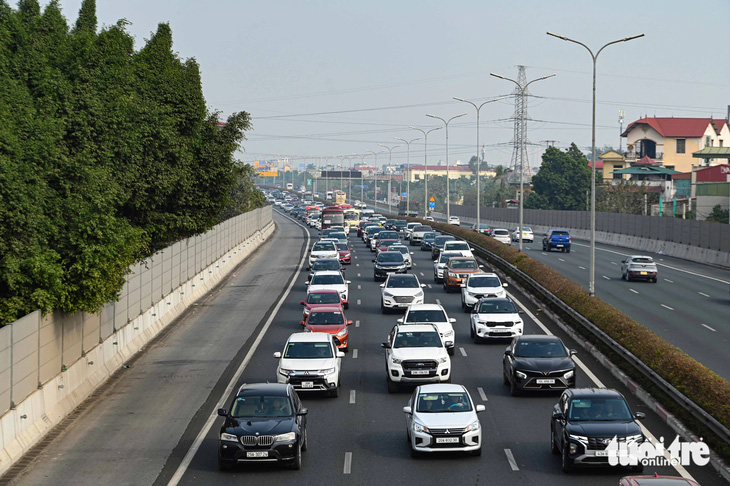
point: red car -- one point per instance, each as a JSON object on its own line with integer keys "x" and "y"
{"x": 319, "y": 299}
{"x": 330, "y": 320}
{"x": 345, "y": 256}
{"x": 657, "y": 480}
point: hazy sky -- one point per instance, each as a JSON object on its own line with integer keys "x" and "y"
{"x": 340, "y": 77}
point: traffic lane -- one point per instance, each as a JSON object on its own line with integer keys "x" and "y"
{"x": 127, "y": 435}
{"x": 669, "y": 307}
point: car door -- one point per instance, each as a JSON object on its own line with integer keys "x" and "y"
{"x": 559, "y": 424}
{"x": 338, "y": 360}
{"x": 301, "y": 419}
{"x": 389, "y": 351}
{"x": 625, "y": 266}
{"x": 411, "y": 403}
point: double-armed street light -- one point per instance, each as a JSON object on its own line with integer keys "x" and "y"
{"x": 522, "y": 89}
{"x": 408, "y": 164}
{"x": 425, "y": 166}
{"x": 375, "y": 178}
{"x": 448, "y": 193}
{"x": 592, "y": 271}
{"x": 390, "y": 177}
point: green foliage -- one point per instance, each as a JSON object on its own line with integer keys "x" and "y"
{"x": 625, "y": 197}
{"x": 719, "y": 215}
{"x": 562, "y": 181}
{"x": 106, "y": 154}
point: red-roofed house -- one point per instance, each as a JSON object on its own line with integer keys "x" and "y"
{"x": 673, "y": 140}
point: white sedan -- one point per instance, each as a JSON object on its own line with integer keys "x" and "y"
{"x": 480, "y": 285}
{"x": 455, "y": 220}
{"x": 501, "y": 235}
{"x": 527, "y": 235}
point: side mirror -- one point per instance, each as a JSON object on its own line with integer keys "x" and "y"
{"x": 340, "y": 354}
{"x": 400, "y": 321}
{"x": 301, "y": 322}
{"x": 520, "y": 312}
{"x": 407, "y": 410}
{"x": 303, "y": 411}
{"x": 423, "y": 286}
{"x": 639, "y": 415}
{"x": 303, "y": 303}
{"x": 348, "y": 282}
{"x": 385, "y": 345}
{"x": 452, "y": 320}
{"x": 463, "y": 285}
{"x": 277, "y": 354}
{"x": 508, "y": 352}
{"x": 373, "y": 261}
{"x": 472, "y": 249}
{"x": 481, "y": 266}
{"x": 349, "y": 323}
{"x": 480, "y": 408}
{"x": 557, "y": 415}
{"x": 382, "y": 285}
{"x": 573, "y": 352}
{"x": 411, "y": 253}
{"x": 222, "y": 412}
{"x": 505, "y": 284}
{"x": 306, "y": 283}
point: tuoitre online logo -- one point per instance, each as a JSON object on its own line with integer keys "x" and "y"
{"x": 654, "y": 453}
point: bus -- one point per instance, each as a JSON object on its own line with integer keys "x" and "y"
{"x": 289, "y": 186}
{"x": 332, "y": 216}
{"x": 340, "y": 197}
{"x": 352, "y": 218}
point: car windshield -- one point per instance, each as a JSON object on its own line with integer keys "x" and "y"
{"x": 430, "y": 315}
{"x": 429, "y": 236}
{"x": 418, "y": 229}
{"x": 339, "y": 236}
{"x": 308, "y": 350}
{"x": 323, "y": 298}
{"x": 387, "y": 243}
{"x": 422, "y": 339}
{"x": 341, "y": 246}
{"x": 463, "y": 264}
{"x": 319, "y": 279}
{"x": 390, "y": 257}
{"x": 444, "y": 258}
{"x": 324, "y": 246}
{"x": 497, "y": 306}
{"x": 456, "y": 246}
{"x": 388, "y": 235}
{"x": 484, "y": 282}
{"x": 440, "y": 240}
{"x": 401, "y": 249}
{"x": 599, "y": 409}
{"x": 642, "y": 260}
{"x": 320, "y": 265}
{"x": 443, "y": 402}
{"x": 402, "y": 282}
{"x": 261, "y": 406}
{"x": 540, "y": 349}
{"x": 324, "y": 318}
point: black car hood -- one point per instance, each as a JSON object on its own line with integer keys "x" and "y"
{"x": 603, "y": 429}
{"x": 260, "y": 425}
{"x": 544, "y": 364}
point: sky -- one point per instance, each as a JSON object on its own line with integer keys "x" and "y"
{"x": 337, "y": 78}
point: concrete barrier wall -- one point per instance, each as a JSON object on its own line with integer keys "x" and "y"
{"x": 50, "y": 364}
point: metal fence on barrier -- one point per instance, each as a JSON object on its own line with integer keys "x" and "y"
{"x": 702, "y": 234}
{"x": 36, "y": 348}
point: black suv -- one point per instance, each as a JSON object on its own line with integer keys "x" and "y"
{"x": 389, "y": 262}
{"x": 585, "y": 420}
{"x": 266, "y": 423}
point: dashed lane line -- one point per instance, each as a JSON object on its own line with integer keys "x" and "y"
{"x": 352, "y": 396}
{"x": 354, "y": 354}
{"x": 511, "y": 459}
{"x": 581, "y": 267}
{"x": 666, "y": 307}
{"x": 359, "y": 302}
{"x": 463, "y": 352}
{"x": 482, "y": 394}
{"x": 708, "y": 327}
{"x": 607, "y": 278}
{"x": 359, "y": 287}
{"x": 703, "y": 294}
{"x": 357, "y": 323}
{"x": 634, "y": 291}
{"x": 348, "y": 463}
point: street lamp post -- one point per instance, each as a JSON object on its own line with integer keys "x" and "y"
{"x": 592, "y": 271}
{"x": 425, "y": 166}
{"x": 375, "y": 179}
{"x": 408, "y": 170}
{"x": 448, "y": 193}
{"x": 390, "y": 178}
{"x": 478, "y": 161}
{"x": 522, "y": 148}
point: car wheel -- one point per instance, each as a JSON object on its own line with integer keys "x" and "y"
{"x": 477, "y": 452}
{"x": 383, "y": 309}
{"x": 336, "y": 392}
{"x": 472, "y": 334}
{"x": 304, "y": 440}
{"x": 567, "y": 250}
{"x": 450, "y": 350}
{"x": 392, "y": 386}
{"x": 628, "y": 277}
{"x": 513, "y": 389}
{"x": 653, "y": 280}
{"x": 553, "y": 446}
{"x": 414, "y": 453}
{"x": 296, "y": 464}
{"x": 346, "y": 305}
{"x": 223, "y": 465}
{"x": 375, "y": 277}
{"x": 566, "y": 462}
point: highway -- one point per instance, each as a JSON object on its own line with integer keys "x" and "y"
{"x": 157, "y": 423}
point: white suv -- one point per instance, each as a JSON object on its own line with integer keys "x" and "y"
{"x": 433, "y": 314}
{"x": 310, "y": 362}
{"x": 330, "y": 279}
{"x": 480, "y": 285}
{"x": 443, "y": 418}
{"x": 400, "y": 291}
{"x": 459, "y": 246}
{"x": 495, "y": 318}
{"x": 414, "y": 353}
{"x": 323, "y": 249}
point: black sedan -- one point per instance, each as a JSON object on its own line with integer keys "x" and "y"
{"x": 266, "y": 423}
{"x": 538, "y": 362}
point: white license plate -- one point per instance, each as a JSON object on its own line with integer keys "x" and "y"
{"x": 307, "y": 384}
{"x": 419, "y": 372}
{"x": 258, "y": 454}
{"x": 602, "y": 453}
{"x": 643, "y": 273}
{"x": 559, "y": 246}
{"x": 545, "y": 381}
{"x": 447, "y": 440}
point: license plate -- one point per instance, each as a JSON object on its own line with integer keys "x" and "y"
{"x": 258, "y": 454}
{"x": 643, "y": 273}
{"x": 602, "y": 453}
{"x": 559, "y": 246}
{"x": 419, "y": 372}
{"x": 447, "y": 440}
{"x": 545, "y": 381}
{"x": 307, "y": 384}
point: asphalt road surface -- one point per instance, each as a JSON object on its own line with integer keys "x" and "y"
{"x": 158, "y": 423}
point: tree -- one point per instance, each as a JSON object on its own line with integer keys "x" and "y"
{"x": 625, "y": 197}
{"x": 719, "y": 215}
{"x": 562, "y": 181}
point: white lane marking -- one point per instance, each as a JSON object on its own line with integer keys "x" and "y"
{"x": 614, "y": 263}
{"x": 708, "y": 327}
{"x": 667, "y": 307}
{"x": 581, "y": 267}
{"x": 463, "y": 352}
{"x": 359, "y": 302}
{"x": 354, "y": 354}
{"x": 359, "y": 287}
{"x": 607, "y": 278}
{"x": 511, "y": 459}
{"x": 422, "y": 275}
{"x": 681, "y": 470}
{"x": 357, "y": 264}
{"x": 357, "y": 323}
{"x": 352, "y": 396}
{"x": 415, "y": 264}
{"x": 634, "y": 291}
{"x": 185, "y": 463}
{"x": 482, "y": 394}
{"x": 667, "y": 280}
{"x": 348, "y": 463}
{"x": 703, "y": 294}
{"x": 438, "y": 301}
{"x": 358, "y": 275}
{"x": 429, "y": 286}
{"x": 561, "y": 259}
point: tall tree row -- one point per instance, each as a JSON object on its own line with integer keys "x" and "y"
{"x": 106, "y": 155}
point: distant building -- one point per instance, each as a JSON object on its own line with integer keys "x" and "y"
{"x": 417, "y": 172}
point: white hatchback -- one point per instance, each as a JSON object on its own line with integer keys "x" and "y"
{"x": 502, "y": 235}
{"x": 455, "y": 220}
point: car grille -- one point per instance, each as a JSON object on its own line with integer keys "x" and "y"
{"x": 419, "y": 364}
{"x": 600, "y": 443}
{"x": 543, "y": 374}
{"x": 452, "y": 431}
{"x": 463, "y": 275}
{"x": 257, "y": 440}
{"x": 403, "y": 299}
{"x": 498, "y": 324}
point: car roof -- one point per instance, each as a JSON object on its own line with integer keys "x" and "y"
{"x": 483, "y": 274}
{"x": 537, "y": 337}
{"x": 329, "y": 272}
{"x": 413, "y": 307}
{"x": 497, "y": 299}
{"x": 324, "y": 291}
{"x": 417, "y": 327}
{"x": 309, "y": 337}
{"x": 595, "y": 393}
{"x": 442, "y": 388}
{"x": 281, "y": 389}
{"x": 329, "y": 308}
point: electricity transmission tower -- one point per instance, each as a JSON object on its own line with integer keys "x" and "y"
{"x": 520, "y": 131}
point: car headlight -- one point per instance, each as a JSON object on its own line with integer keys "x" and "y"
{"x": 453, "y": 275}
{"x": 443, "y": 359}
{"x": 343, "y": 332}
{"x": 396, "y": 360}
{"x": 520, "y": 375}
{"x": 284, "y": 371}
{"x": 419, "y": 293}
{"x": 289, "y": 436}
{"x": 387, "y": 294}
{"x": 420, "y": 428}
{"x": 229, "y": 437}
{"x": 472, "y": 426}
{"x": 448, "y": 334}
{"x": 327, "y": 371}
{"x": 635, "y": 438}
{"x": 306, "y": 311}
{"x": 569, "y": 375}
{"x": 580, "y": 438}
